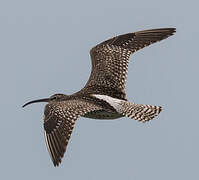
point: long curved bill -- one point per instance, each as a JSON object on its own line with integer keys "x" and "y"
{"x": 36, "y": 101}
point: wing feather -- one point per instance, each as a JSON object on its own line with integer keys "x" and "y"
{"x": 110, "y": 60}
{"x": 59, "y": 121}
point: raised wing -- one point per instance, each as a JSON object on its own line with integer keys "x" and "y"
{"x": 110, "y": 60}
{"x": 59, "y": 121}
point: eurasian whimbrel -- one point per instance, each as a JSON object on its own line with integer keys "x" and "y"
{"x": 103, "y": 96}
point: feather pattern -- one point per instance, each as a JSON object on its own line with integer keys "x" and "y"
{"x": 140, "y": 112}
{"x": 59, "y": 121}
{"x": 103, "y": 96}
{"x": 110, "y": 60}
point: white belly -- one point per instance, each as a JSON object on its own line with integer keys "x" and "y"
{"x": 102, "y": 114}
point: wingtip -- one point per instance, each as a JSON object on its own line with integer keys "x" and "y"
{"x": 56, "y": 164}
{"x": 159, "y": 33}
{"x": 173, "y": 31}
{"x": 170, "y": 31}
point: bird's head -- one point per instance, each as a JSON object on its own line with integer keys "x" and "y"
{"x": 53, "y": 98}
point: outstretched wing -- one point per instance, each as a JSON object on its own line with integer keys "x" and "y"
{"x": 110, "y": 60}
{"x": 59, "y": 120}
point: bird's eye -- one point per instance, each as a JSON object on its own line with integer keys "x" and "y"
{"x": 54, "y": 98}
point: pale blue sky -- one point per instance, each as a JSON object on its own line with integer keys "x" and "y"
{"x": 44, "y": 49}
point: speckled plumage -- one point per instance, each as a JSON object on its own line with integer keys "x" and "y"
{"x": 59, "y": 121}
{"x": 103, "y": 96}
{"x": 110, "y": 60}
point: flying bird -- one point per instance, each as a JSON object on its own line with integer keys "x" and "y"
{"x": 103, "y": 96}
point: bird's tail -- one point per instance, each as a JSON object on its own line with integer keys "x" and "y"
{"x": 139, "y": 112}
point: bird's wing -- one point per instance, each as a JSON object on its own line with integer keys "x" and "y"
{"x": 110, "y": 60}
{"x": 59, "y": 120}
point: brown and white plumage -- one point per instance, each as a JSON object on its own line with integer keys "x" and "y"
{"x": 59, "y": 121}
{"x": 110, "y": 60}
{"x": 103, "y": 96}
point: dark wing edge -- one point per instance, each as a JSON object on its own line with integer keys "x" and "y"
{"x": 59, "y": 121}
{"x": 134, "y": 41}
{"x": 137, "y": 40}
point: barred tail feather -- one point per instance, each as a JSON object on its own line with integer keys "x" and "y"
{"x": 140, "y": 112}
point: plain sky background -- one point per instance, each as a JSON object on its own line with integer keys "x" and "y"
{"x": 44, "y": 49}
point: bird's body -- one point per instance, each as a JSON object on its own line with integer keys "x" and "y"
{"x": 103, "y": 96}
